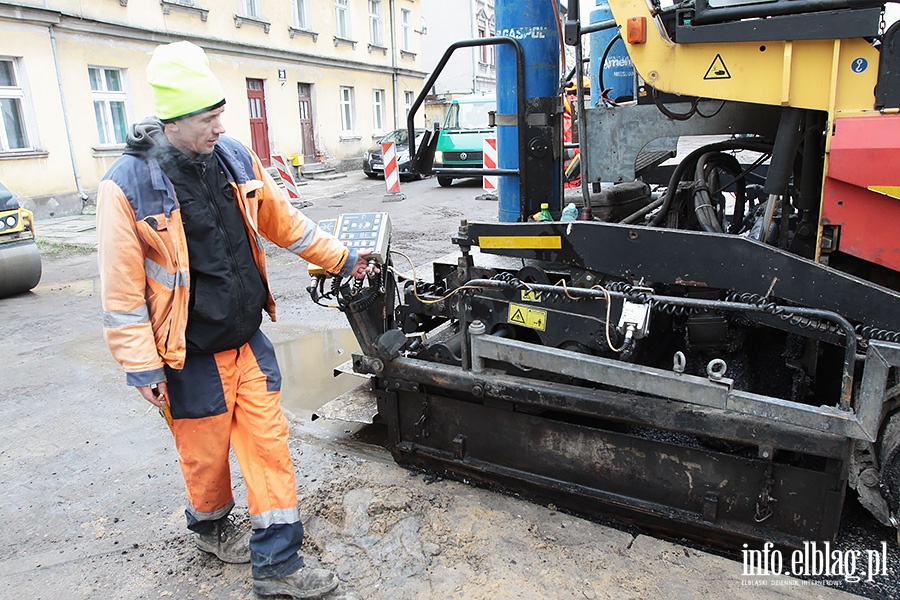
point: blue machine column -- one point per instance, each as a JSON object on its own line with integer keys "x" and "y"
{"x": 617, "y": 69}
{"x": 533, "y": 24}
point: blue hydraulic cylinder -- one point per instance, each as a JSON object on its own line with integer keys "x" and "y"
{"x": 533, "y": 24}
{"x": 618, "y": 70}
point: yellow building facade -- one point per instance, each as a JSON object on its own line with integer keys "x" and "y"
{"x": 319, "y": 79}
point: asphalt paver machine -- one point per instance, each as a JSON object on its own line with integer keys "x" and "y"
{"x": 712, "y": 349}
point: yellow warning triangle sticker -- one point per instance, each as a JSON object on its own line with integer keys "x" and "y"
{"x": 717, "y": 70}
{"x": 517, "y": 318}
{"x": 888, "y": 190}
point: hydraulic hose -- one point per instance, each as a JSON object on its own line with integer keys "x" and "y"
{"x": 730, "y": 164}
{"x": 640, "y": 214}
{"x": 706, "y": 188}
{"x": 754, "y": 145}
{"x": 703, "y": 208}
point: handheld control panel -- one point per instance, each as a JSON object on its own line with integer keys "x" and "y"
{"x": 366, "y": 231}
{"x": 361, "y": 231}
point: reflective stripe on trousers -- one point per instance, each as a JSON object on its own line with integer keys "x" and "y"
{"x": 232, "y": 399}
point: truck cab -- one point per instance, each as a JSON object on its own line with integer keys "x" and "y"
{"x": 461, "y": 137}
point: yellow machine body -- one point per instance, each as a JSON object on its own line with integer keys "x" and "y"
{"x": 811, "y": 74}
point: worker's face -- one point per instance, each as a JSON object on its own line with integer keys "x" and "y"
{"x": 197, "y": 134}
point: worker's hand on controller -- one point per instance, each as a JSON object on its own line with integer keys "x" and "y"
{"x": 363, "y": 267}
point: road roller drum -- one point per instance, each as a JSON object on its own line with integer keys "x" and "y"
{"x": 20, "y": 261}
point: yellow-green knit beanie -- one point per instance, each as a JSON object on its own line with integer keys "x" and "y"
{"x": 182, "y": 82}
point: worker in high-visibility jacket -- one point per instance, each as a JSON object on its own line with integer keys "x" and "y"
{"x": 180, "y": 222}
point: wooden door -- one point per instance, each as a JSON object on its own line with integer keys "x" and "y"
{"x": 259, "y": 126}
{"x": 307, "y": 130}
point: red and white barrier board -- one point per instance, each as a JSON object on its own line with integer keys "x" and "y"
{"x": 489, "y": 182}
{"x": 284, "y": 171}
{"x": 391, "y": 172}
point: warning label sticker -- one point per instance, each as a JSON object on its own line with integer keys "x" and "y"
{"x": 527, "y": 317}
{"x": 717, "y": 70}
{"x": 529, "y": 296}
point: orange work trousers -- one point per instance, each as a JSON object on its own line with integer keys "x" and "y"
{"x": 231, "y": 399}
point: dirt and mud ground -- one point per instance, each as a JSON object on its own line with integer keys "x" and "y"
{"x": 92, "y": 502}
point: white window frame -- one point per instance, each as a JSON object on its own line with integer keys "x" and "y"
{"x": 342, "y": 19}
{"x": 405, "y": 29}
{"x": 376, "y": 31}
{"x": 378, "y": 100}
{"x": 106, "y": 131}
{"x": 249, "y": 9}
{"x": 300, "y": 12}
{"x": 486, "y": 55}
{"x": 408, "y": 99}
{"x": 16, "y": 92}
{"x": 346, "y": 109}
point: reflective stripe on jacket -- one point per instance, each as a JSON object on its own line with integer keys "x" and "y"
{"x": 143, "y": 258}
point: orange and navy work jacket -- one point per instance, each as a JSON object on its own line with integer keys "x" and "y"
{"x": 143, "y": 256}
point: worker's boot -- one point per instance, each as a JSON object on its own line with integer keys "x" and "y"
{"x": 308, "y": 582}
{"x": 226, "y": 541}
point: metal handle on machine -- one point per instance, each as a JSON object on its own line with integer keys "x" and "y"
{"x": 574, "y": 32}
{"x": 520, "y": 106}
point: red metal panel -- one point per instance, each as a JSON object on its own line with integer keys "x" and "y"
{"x": 865, "y": 151}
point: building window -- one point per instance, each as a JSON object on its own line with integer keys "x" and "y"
{"x": 405, "y": 29}
{"x": 346, "y": 110}
{"x": 378, "y": 109}
{"x": 249, "y": 8}
{"x": 375, "y": 37}
{"x": 487, "y": 52}
{"x": 301, "y": 14}
{"x": 341, "y": 19}
{"x": 408, "y": 99}
{"x": 13, "y": 131}
{"x": 108, "y": 93}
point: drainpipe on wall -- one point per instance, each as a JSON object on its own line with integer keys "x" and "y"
{"x": 473, "y": 33}
{"x": 394, "y": 83}
{"x": 62, "y": 99}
